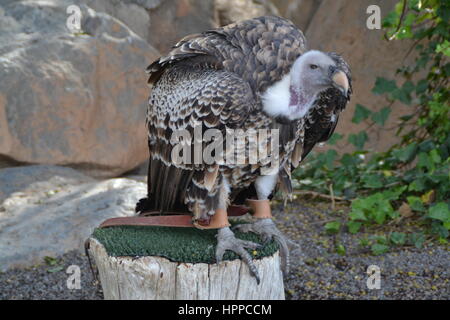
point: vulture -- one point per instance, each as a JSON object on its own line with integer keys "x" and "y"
{"x": 250, "y": 75}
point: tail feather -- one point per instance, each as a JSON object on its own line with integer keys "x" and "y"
{"x": 167, "y": 185}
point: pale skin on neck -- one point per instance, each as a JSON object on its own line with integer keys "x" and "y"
{"x": 293, "y": 96}
{"x": 299, "y": 98}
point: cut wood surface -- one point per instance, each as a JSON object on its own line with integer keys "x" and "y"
{"x": 157, "y": 278}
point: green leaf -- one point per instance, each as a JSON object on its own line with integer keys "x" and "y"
{"x": 378, "y": 249}
{"x": 358, "y": 140}
{"x": 390, "y": 20}
{"x": 348, "y": 160}
{"x": 405, "y": 154}
{"x": 379, "y": 216}
{"x": 407, "y": 117}
{"x": 434, "y": 155}
{"x": 340, "y": 249}
{"x": 446, "y": 69}
{"x": 398, "y": 238}
{"x": 427, "y": 145}
{"x": 408, "y": 87}
{"x": 414, "y": 4}
{"x": 383, "y": 85}
{"x": 372, "y": 181}
{"x": 401, "y": 95}
{"x": 417, "y": 239}
{"x": 424, "y": 161}
{"x": 440, "y": 212}
{"x": 416, "y": 203}
{"x": 444, "y": 48}
{"x": 422, "y": 86}
{"x": 394, "y": 214}
{"x": 50, "y": 261}
{"x": 393, "y": 193}
{"x": 438, "y": 229}
{"x": 55, "y": 269}
{"x": 447, "y": 225}
{"x": 357, "y": 214}
{"x": 444, "y": 10}
{"x": 417, "y": 185}
{"x": 361, "y": 113}
{"x": 381, "y": 116}
{"x": 364, "y": 242}
{"x": 353, "y": 226}
{"x": 381, "y": 239}
{"x": 333, "y": 227}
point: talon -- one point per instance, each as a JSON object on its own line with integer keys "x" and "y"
{"x": 267, "y": 230}
{"x": 244, "y": 227}
{"x": 258, "y": 280}
{"x": 227, "y": 241}
{"x": 266, "y": 238}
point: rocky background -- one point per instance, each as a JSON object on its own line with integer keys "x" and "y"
{"x": 72, "y": 105}
{"x": 79, "y": 99}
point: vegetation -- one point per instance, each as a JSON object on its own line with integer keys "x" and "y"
{"x": 412, "y": 179}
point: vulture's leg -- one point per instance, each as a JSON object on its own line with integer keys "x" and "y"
{"x": 265, "y": 226}
{"x": 267, "y": 230}
{"x": 227, "y": 241}
{"x": 225, "y": 237}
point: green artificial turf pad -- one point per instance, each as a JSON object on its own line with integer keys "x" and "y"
{"x": 189, "y": 245}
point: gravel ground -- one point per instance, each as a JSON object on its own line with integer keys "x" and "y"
{"x": 50, "y": 281}
{"x": 317, "y": 272}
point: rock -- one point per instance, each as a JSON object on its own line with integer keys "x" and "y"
{"x": 71, "y": 99}
{"x": 55, "y": 215}
{"x": 229, "y": 11}
{"x": 17, "y": 179}
{"x": 300, "y": 12}
{"x": 133, "y": 13}
{"x": 340, "y": 26}
{"x": 173, "y": 19}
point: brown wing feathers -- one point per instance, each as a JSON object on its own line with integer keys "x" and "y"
{"x": 184, "y": 98}
{"x": 214, "y": 79}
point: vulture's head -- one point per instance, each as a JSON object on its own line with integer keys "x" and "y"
{"x": 312, "y": 73}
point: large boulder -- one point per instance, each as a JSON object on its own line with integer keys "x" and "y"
{"x": 171, "y": 20}
{"x": 57, "y": 212}
{"x": 75, "y": 99}
{"x": 340, "y": 26}
{"x": 16, "y": 179}
{"x": 133, "y": 13}
{"x": 229, "y": 11}
{"x": 299, "y": 12}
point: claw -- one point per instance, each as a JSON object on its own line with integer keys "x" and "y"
{"x": 267, "y": 230}
{"x": 227, "y": 241}
{"x": 244, "y": 227}
{"x": 266, "y": 238}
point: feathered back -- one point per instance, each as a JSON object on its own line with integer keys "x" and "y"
{"x": 261, "y": 50}
{"x": 215, "y": 79}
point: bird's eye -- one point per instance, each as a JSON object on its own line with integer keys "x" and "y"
{"x": 313, "y": 66}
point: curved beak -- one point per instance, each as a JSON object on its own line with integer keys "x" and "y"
{"x": 339, "y": 80}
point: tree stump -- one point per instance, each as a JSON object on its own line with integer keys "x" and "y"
{"x": 136, "y": 263}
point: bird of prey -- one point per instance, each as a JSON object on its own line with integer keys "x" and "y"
{"x": 253, "y": 74}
